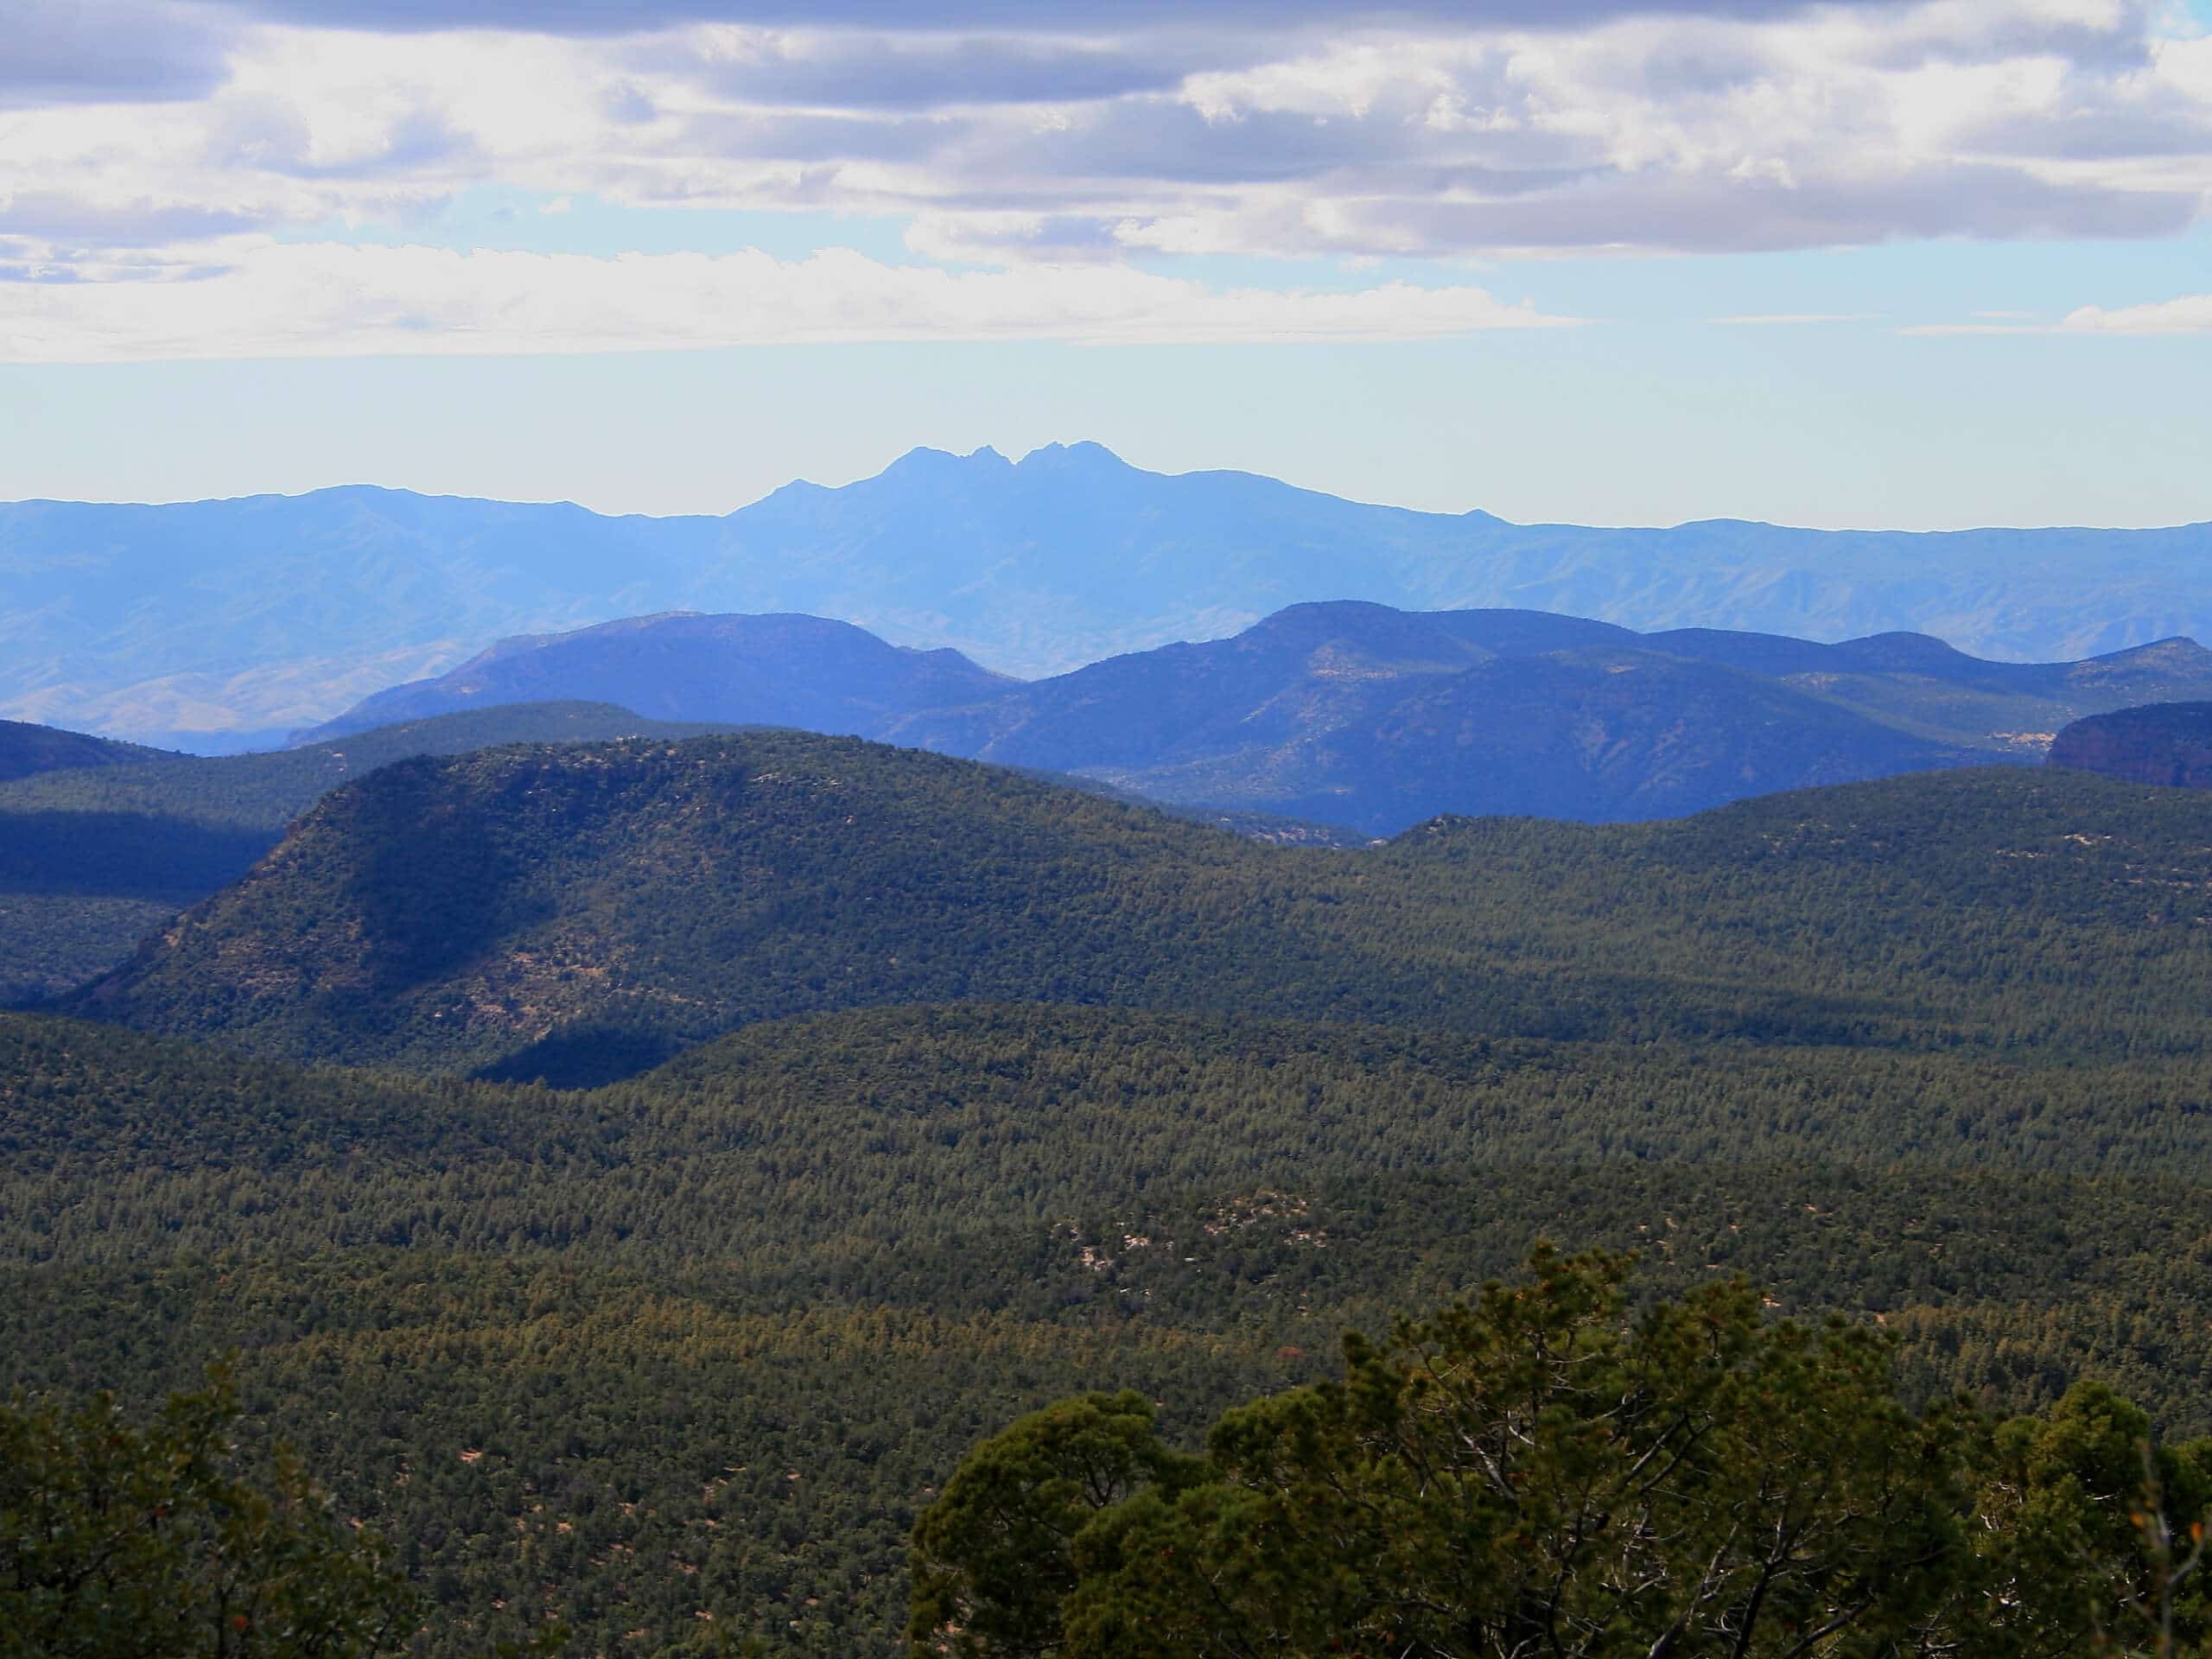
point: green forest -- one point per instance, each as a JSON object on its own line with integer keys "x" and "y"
{"x": 635, "y": 1179}
{"x": 101, "y": 841}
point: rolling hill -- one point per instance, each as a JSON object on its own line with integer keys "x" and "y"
{"x": 924, "y": 1092}
{"x": 27, "y": 750}
{"x": 225, "y": 621}
{"x": 102, "y": 848}
{"x": 581, "y": 911}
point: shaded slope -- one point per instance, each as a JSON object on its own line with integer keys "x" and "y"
{"x": 1606, "y": 738}
{"x": 94, "y": 857}
{"x": 27, "y": 750}
{"x": 2168, "y": 744}
{"x": 1376, "y": 718}
{"x": 456, "y": 909}
{"x": 1307, "y": 666}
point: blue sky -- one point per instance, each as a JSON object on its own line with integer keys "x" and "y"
{"x": 1926, "y": 263}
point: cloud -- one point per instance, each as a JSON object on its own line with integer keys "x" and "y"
{"x": 104, "y": 51}
{"x": 922, "y": 72}
{"x": 1014, "y": 135}
{"x": 323, "y": 299}
{"x": 2189, "y": 315}
{"x": 1080, "y": 17}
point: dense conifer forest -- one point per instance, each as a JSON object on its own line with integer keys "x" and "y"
{"x": 907, "y": 1096}
{"x": 488, "y": 911}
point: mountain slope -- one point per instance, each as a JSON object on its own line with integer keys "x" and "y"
{"x": 578, "y": 911}
{"x": 1363, "y": 716}
{"x": 225, "y": 618}
{"x": 1375, "y": 718}
{"x": 771, "y": 670}
{"x": 27, "y": 750}
{"x": 2168, "y": 744}
{"x": 1603, "y": 738}
{"x": 94, "y": 857}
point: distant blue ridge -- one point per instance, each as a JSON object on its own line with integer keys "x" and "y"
{"x": 271, "y": 613}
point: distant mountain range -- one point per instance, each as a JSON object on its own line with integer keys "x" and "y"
{"x": 1355, "y": 713}
{"x": 222, "y": 623}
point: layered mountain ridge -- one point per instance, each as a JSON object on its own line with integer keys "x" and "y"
{"x": 1355, "y": 713}
{"x": 218, "y": 623}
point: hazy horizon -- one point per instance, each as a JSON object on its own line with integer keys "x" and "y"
{"x": 1015, "y": 458}
{"x": 1909, "y": 263}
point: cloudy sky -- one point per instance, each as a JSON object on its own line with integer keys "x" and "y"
{"x": 1879, "y": 262}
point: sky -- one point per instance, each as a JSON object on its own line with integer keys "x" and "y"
{"x": 1902, "y": 263}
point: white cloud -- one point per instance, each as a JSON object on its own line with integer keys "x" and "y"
{"x": 1784, "y": 318}
{"x": 328, "y": 299}
{"x": 1010, "y": 137}
{"x": 2190, "y": 314}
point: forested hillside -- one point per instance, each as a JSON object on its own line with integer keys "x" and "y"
{"x": 26, "y": 751}
{"x": 911, "y": 1094}
{"x": 2168, "y": 744}
{"x": 572, "y": 911}
{"x": 102, "y": 842}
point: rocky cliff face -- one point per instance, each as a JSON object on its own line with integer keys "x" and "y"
{"x": 2168, "y": 743}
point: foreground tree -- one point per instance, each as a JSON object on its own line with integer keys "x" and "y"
{"x": 118, "y": 1540}
{"x": 995, "y": 1557}
{"x": 1532, "y": 1473}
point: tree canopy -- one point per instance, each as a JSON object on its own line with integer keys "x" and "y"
{"x": 1534, "y": 1472}
{"x": 123, "y": 1541}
